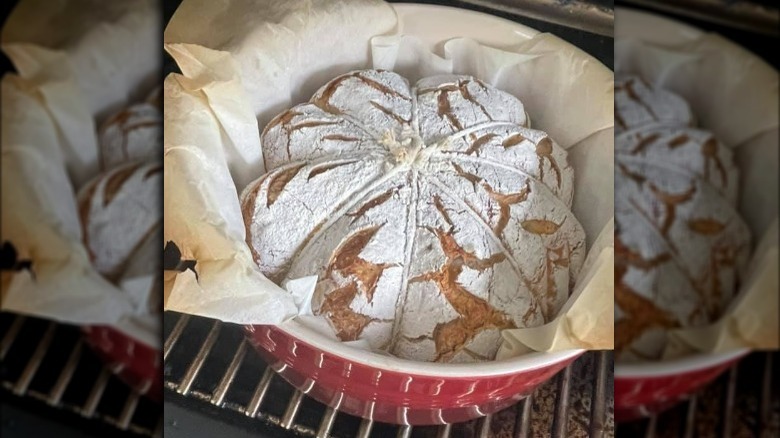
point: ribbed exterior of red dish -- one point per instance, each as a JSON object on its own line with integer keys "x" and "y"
{"x": 392, "y": 395}
{"x": 135, "y": 363}
{"x": 637, "y": 397}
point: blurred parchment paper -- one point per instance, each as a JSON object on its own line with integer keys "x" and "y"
{"x": 39, "y": 218}
{"x": 88, "y": 58}
{"x": 212, "y": 147}
{"x": 734, "y": 94}
{"x": 77, "y": 61}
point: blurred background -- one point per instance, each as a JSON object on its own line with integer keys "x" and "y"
{"x": 711, "y": 395}
{"x": 77, "y": 355}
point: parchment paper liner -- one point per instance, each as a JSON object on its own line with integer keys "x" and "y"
{"x": 566, "y": 92}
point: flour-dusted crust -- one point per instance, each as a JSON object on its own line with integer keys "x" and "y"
{"x": 135, "y": 133}
{"x": 118, "y": 210}
{"x": 637, "y": 104}
{"x": 431, "y": 215}
{"x": 688, "y": 149}
{"x": 680, "y": 243}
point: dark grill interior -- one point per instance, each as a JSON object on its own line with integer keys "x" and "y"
{"x": 209, "y": 367}
{"x": 47, "y": 368}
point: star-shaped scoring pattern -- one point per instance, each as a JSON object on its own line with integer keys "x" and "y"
{"x": 433, "y": 216}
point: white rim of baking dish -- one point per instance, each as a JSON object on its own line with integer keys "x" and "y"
{"x": 668, "y": 368}
{"x": 514, "y": 365}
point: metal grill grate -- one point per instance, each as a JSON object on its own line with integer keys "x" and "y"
{"x": 743, "y": 402}
{"x": 48, "y": 363}
{"x": 210, "y": 364}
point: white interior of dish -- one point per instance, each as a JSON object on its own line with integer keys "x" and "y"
{"x": 663, "y": 31}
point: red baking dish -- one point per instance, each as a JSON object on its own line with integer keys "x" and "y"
{"x": 135, "y": 363}
{"x": 393, "y": 390}
{"x": 643, "y": 389}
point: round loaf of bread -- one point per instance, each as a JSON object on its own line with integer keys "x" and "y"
{"x": 432, "y": 216}
{"x": 680, "y": 242}
{"x": 120, "y": 211}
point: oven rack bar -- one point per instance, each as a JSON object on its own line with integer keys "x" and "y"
{"x": 47, "y": 362}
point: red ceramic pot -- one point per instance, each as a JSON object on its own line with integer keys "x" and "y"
{"x": 643, "y": 389}
{"x": 134, "y": 362}
{"x": 393, "y": 390}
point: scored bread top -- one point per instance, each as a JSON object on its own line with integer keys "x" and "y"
{"x": 431, "y": 214}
